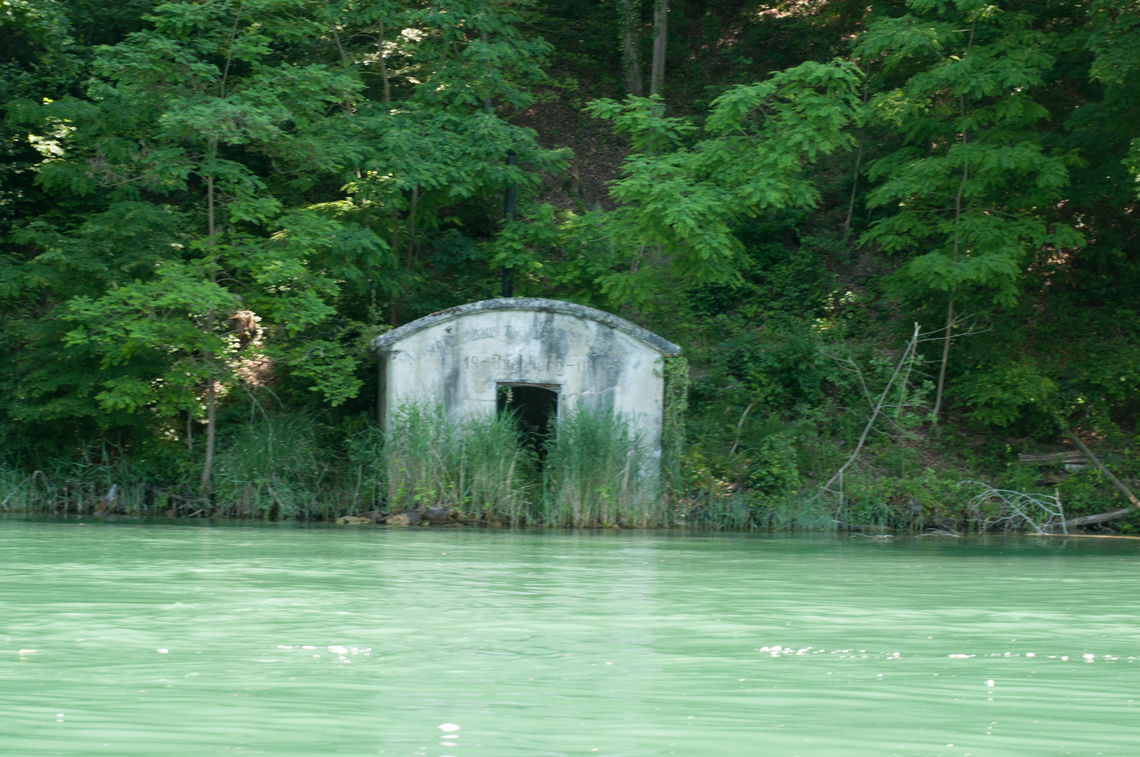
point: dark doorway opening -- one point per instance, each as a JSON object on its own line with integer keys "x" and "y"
{"x": 535, "y": 406}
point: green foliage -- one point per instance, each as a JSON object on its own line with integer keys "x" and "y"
{"x": 1006, "y": 392}
{"x": 684, "y": 189}
{"x": 188, "y": 143}
{"x": 1114, "y": 38}
{"x": 748, "y": 469}
{"x": 755, "y": 145}
{"x": 778, "y": 474}
{"x": 878, "y": 498}
{"x": 97, "y": 480}
{"x": 643, "y": 121}
{"x": 776, "y": 366}
{"x": 718, "y": 496}
{"x": 965, "y": 188}
{"x": 364, "y": 451}
{"x": 594, "y": 472}
{"x": 962, "y": 197}
{"x": 173, "y": 310}
{"x": 674, "y": 411}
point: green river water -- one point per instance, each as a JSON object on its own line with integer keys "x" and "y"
{"x": 120, "y": 639}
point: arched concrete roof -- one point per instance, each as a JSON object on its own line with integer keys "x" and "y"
{"x": 388, "y": 340}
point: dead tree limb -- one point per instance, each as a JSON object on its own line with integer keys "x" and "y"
{"x": 1120, "y": 485}
{"x": 740, "y": 428}
{"x": 1042, "y": 512}
{"x": 907, "y": 355}
{"x": 33, "y": 477}
{"x": 1090, "y": 520}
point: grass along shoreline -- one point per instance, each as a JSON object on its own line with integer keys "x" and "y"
{"x": 594, "y": 474}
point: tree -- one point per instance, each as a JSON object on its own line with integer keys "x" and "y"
{"x": 683, "y": 189}
{"x": 630, "y": 57}
{"x": 1115, "y": 42}
{"x": 660, "y": 29}
{"x": 439, "y": 138}
{"x": 629, "y": 30}
{"x": 1089, "y": 331}
{"x": 964, "y": 196}
{"x": 203, "y": 126}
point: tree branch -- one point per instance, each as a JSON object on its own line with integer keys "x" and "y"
{"x": 907, "y": 355}
{"x": 1116, "y": 482}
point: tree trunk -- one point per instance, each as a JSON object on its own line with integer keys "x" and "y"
{"x": 394, "y": 244}
{"x": 657, "y": 68}
{"x": 858, "y": 167}
{"x": 384, "y": 67}
{"x": 945, "y": 359}
{"x": 854, "y": 192}
{"x": 211, "y": 316}
{"x": 488, "y": 106}
{"x": 630, "y": 61}
{"x": 211, "y": 427}
{"x": 956, "y": 254}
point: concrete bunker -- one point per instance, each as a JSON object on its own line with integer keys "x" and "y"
{"x": 537, "y": 358}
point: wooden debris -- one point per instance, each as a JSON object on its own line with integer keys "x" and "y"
{"x": 354, "y": 520}
{"x": 1089, "y": 520}
{"x": 1066, "y": 458}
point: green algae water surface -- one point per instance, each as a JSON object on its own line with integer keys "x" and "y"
{"x": 117, "y": 639}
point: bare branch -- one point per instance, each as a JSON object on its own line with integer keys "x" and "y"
{"x": 907, "y": 356}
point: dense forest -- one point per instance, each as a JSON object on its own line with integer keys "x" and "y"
{"x": 898, "y": 242}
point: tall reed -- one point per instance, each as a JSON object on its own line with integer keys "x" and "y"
{"x": 364, "y": 453}
{"x": 598, "y": 473}
{"x": 475, "y": 465}
{"x": 271, "y": 468}
{"x": 76, "y": 488}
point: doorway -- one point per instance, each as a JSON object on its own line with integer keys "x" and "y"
{"x": 535, "y": 406}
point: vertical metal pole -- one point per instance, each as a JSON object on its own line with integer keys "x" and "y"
{"x": 507, "y": 283}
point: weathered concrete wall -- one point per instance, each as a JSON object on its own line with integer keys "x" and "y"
{"x": 459, "y": 358}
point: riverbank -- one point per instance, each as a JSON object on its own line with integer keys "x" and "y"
{"x": 299, "y": 483}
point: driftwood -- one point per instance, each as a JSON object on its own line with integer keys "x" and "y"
{"x": 106, "y": 506}
{"x": 1070, "y": 457}
{"x": 1090, "y": 520}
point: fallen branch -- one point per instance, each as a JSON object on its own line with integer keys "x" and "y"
{"x": 1041, "y": 512}
{"x": 739, "y": 428}
{"x": 1089, "y": 520}
{"x": 33, "y": 477}
{"x": 1051, "y": 458}
{"x": 1120, "y": 486}
{"x": 907, "y": 355}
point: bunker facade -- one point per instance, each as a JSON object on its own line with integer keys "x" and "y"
{"x": 537, "y": 357}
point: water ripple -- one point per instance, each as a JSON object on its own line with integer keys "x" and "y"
{"x": 193, "y": 641}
